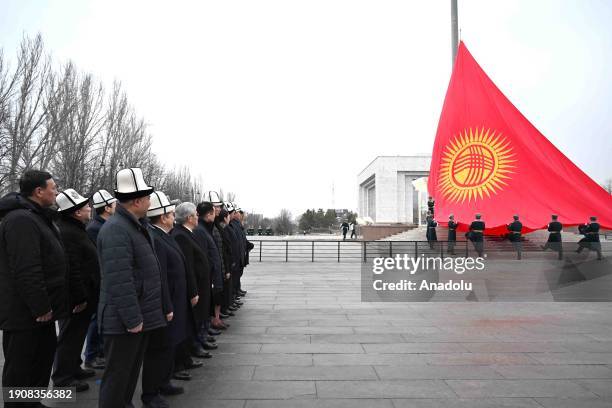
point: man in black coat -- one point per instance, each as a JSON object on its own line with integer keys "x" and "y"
{"x": 84, "y": 290}
{"x": 430, "y": 234}
{"x": 452, "y": 234}
{"x": 203, "y": 233}
{"x": 515, "y": 229}
{"x": 476, "y": 234}
{"x": 104, "y": 206}
{"x": 590, "y": 241}
{"x": 198, "y": 283}
{"x": 131, "y": 294}
{"x": 236, "y": 225}
{"x": 158, "y": 365}
{"x": 554, "y": 241}
{"x": 33, "y": 282}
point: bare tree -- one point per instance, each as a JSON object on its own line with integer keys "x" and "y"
{"x": 283, "y": 224}
{"x": 607, "y": 185}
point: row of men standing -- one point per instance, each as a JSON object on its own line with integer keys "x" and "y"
{"x": 475, "y": 234}
{"x": 159, "y": 286}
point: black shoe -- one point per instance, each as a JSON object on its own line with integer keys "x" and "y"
{"x": 182, "y": 376}
{"x": 156, "y": 402}
{"x": 97, "y": 364}
{"x": 211, "y": 339}
{"x": 213, "y": 332}
{"x": 230, "y": 313}
{"x": 232, "y": 309}
{"x": 223, "y": 315}
{"x": 77, "y": 385}
{"x": 198, "y": 352}
{"x": 242, "y": 292}
{"x": 84, "y": 374}
{"x": 238, "y": 302}
{"x": 209, "y": 346}
{"x": 171, "y": 389}
{"x": 194, "y": 364}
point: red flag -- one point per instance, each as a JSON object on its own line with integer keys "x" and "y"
{"x": 489, "y": 159}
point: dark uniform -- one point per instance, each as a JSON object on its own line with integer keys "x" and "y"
{"x": 452, "y": 236}
{"x": 514, "y": 236}
{"x": 476, "y": 235}
{"x": 591, "y": 238}
{"x": 430, "y": 206}
{"x": 554, "y": 238}
{"x": 431, "y": 232}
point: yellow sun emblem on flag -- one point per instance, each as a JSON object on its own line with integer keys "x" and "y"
{"x": 475, "y": 164}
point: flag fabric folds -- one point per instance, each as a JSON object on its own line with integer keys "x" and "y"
{"x": 489, "y": 159}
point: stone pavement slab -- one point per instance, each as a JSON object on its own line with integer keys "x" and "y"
{"x": 304, "y": 339}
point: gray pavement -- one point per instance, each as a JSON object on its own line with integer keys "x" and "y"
{"x": 304, "y": 339}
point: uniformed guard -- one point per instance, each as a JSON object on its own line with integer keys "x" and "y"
{"x": 452, "y": 234}
{"x": 554, "y": 237}
{"x": 590, "y": 241}
{"x": 431, "y": 235}
{"x": 514, "y": 235}
{"x": 476, "y": 234}
{"x": 430, "y": 205}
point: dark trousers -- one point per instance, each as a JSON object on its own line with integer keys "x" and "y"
{"x": 95, "y": 342}
{"x": 227, "y": 294}
{"x": 124, "y": 355}
{"x": 158, "y": 365}
{"x": 451, "y": 247}
{"x": 182, "y": 355}
{"x": 479, "y": 247}
{"x": 28, "y": 358}
{"x": 72, "y": 333}
{"x": 353, "y": 234}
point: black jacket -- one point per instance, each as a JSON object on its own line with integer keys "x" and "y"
{"x": 33, "y": 266}
{"x": 476, "y": 232}
{"x": 94, "y": 226}
{"x": 242, "y": 242}
{"x": 198, "y": 271}
{"x": 203, "y": 233}
{"x": 452, "y": 230}
{"x": 231, "y": 251}
{"x": 514, "y": 231}
{"x": 431, "y": 230}
{"x": 173, "y": 268}
{"x": 130, "y": 291}
{"x": 83, "y": 263}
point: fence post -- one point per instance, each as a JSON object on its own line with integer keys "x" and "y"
{"x": 312, "y": 251}
{"x": 467, "y": 248}
{"x": 338, "y": 251}
{"x": 390, "y": 249}
{"x": 416, "y": 249}
{"x": 441, "y": 249}
{"x": 260, "y": 246}
{"x": 286, "y": 251}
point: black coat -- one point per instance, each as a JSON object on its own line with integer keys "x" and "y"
{"x": 431, "y": 230}
{"x": 514, "y": 231}
{"x": 242, "y": 242}
{"x": 82, "y": 261}
{"x": 94, "y": 226}
{"x": 452, "y": 230}
{"x": 476, "y": 232}
{"x": 33, "y": 265}
{"x": 198, "y": 271}
{"x": 555, "y": 228}
{"x": 229, "y": 248}
{"x": 130, "y": 289}
{"x": 173, "y": 266}
{"x": 203, "y": 233}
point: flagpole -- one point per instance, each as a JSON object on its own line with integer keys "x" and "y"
{"x": 454, "y": 30}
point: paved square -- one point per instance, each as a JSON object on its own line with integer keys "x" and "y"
{"x": 304, "y": 339}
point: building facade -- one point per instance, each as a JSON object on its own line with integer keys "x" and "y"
{"x": 386, "y": 193}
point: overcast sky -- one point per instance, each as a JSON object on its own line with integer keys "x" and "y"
{"x": 278, "y": 101}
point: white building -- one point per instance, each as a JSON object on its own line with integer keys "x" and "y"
{"x": 386, "y": 193}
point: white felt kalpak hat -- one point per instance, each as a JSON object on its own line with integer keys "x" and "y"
{"x": 102, "y": 198}
{"x": 229, "y": 207}
{"x": 160, "y": 204}
{"x": 70, "y": 200}
{"x": 131, "y": 184}
{"x": 212, "y": 197}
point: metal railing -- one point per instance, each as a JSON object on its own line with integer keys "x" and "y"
{"x": 362, "y": 251}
